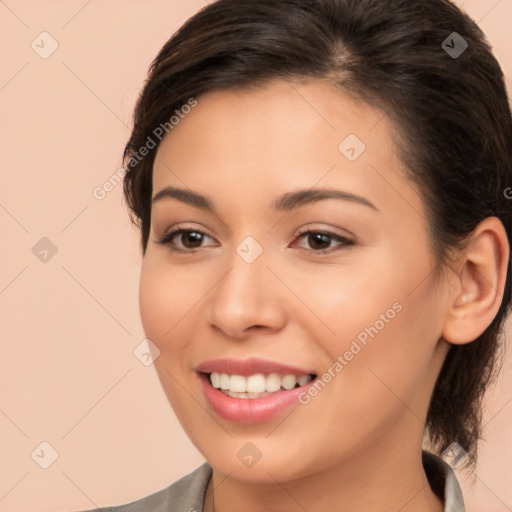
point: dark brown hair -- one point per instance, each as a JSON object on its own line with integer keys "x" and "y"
{"x": 450, "y": 110}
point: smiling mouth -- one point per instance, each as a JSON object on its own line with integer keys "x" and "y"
{"x": 256, "y": 385}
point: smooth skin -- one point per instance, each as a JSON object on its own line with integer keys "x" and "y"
{"x": 357, "y": 444}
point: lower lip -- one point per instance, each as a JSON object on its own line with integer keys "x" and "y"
{"x": 250, "y": 410}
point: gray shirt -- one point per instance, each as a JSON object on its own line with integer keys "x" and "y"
{"x": 187, "y": 494}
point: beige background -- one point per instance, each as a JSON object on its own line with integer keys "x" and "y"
{"x": 68, "y": 373}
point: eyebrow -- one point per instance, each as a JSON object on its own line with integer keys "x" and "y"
{"x": 288, "y": 201}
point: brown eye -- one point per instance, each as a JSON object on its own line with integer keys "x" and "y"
{"x": 320, "y": 241}
{"x": 190, "y": 239}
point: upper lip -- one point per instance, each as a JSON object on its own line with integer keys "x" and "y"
{"x": 249, "y": 367}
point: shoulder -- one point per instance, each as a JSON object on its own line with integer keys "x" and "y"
{"x": 184, "y": 495}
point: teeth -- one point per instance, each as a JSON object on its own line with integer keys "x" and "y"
{"x": 254, "y": 386}
{"x": 234, "y": 394}
{"x": 224, "y": 381}
{"x": 237, "y": 383}
{"x": 273, "y": 382}
{"x": 256, "y": 383}
{"x": 215, "y": 380}
{"x": 303, "y": 380}
{"x": 288, "y": 381}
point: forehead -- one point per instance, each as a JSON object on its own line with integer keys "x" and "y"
{"x": 262, "y": 142}
{"x": 306, "y": 112}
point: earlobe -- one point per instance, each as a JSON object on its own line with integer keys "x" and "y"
{"x": 478, "y": 289}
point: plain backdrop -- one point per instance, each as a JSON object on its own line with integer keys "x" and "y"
{"x": 71, "y": 387}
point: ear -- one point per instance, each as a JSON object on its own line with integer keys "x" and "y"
{"x": 478, "y": 291}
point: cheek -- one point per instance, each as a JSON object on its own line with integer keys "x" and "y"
{"x": 384, "y": 327}
{"x": 165, "y": 296}
{"x": 386, "y": 358}
{"x": 164, "y": 300}
{"x": 346, "y": 298}
{"x": 152, "y": 296}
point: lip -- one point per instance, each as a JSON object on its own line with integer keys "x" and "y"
{"x": 251, "y": 366}
{"x": 250, "y": 410}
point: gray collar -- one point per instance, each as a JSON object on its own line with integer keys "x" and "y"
{"x": 443, "y": 482}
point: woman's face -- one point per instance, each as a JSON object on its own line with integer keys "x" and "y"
{"x": 248, "y": 294}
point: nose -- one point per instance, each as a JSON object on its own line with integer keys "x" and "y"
{"x": 248, "y": 299}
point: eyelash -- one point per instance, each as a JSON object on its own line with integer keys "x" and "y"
{"x": 166, "y": 240}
